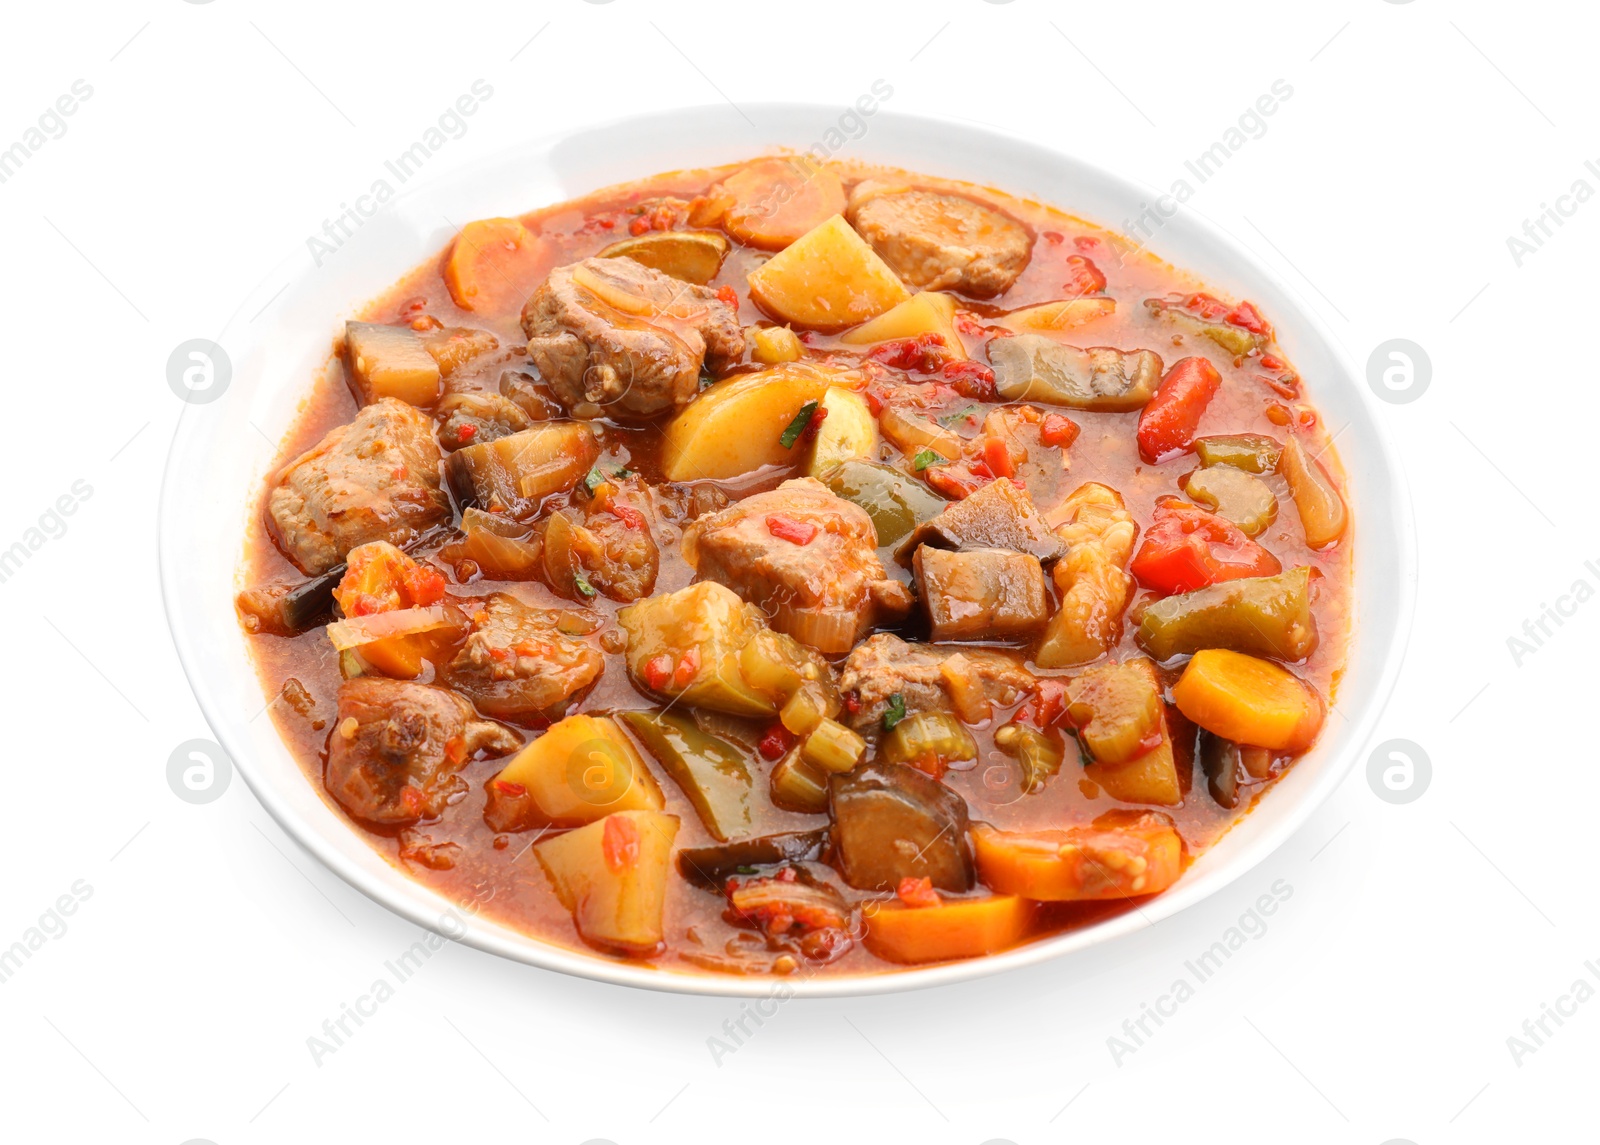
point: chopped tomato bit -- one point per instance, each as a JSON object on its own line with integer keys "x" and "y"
{"x": 424, "y": 584}
{"x": 997, "y": 457}
{"x": 1058, "y": 430}
{"x": 729, "y": 295}
{"x": 1084, "y": 277}
{"x": 1246, "y": 315}
{"x": 925, "y": 353}
{"x": 968, "y": 325}
{"x": 657, "y": 671}
{"x": 971, "y": 380}
{"x": 915, "y": 892}
{"x": 786, "y": 528}
{"x": 507, "y": 788}
{"x": 777, "y": 741}
{"x": 688, "y": 668}
{"x": 632, "y": 518}
{"x": 1054, "y": 238}
{"x": 467, "y": 432}
{"x": 619, "y": 843}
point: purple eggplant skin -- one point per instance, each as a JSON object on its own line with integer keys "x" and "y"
{"x": 712, "y": 867}
{"x": 892, "y": 822}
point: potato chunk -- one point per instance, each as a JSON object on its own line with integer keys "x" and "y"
{"x": 827, "y": 279}
{"x": 930, "y": 312}
{"x": 390, "y": 362}
{"x": 737, "y": 425}
{"x": 612, "y": 876}
{"x": 583, "y": 769}
{"x": 686, "y": 644}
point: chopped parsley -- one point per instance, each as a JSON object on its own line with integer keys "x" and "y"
{"x": 895, "y": 712}
{"x": 926, "y": 458}
{"x": 959, "y": 415}
{"x": 583, "y": 584}
{"x": 745, "y": 870}
{"x": 798, "y": 425}
{"x": 593, "y": 480}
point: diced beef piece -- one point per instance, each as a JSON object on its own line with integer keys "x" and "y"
{"x": 885, "y": 665}
{"x": 395, "y": 749}
{"x": 1000, "y": 515}
{"x": 522, "y": 663}
{"x": 375, "y": 479}
{"x": 806, "y": 557}
{"x": 981, "y": 594}
{"x": 614, "y": 338}
{"x": 940, "y": 242}
{"x": 893, "y": 822}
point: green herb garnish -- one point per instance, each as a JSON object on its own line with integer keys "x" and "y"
{"x": 895, "y": 712}
{"x": 583, "y": 584}
{"x": 798, "y": 425}
{"x": 926, "y": 458}
{"x": 960, "y": 414}
{"x": 593, "y": 480}
{"x": 743, "y": 870}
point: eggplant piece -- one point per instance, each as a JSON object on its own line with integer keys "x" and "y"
{"x": 711, "y": 771}
{"x": 712, "y": 867}
{"x": 892, "y": 822}
{"x": 998, "y": 516}
{"x": 1221, "y": 760}
{"x": 981, "y": 594}
{"x": 1031, "y": 367}
{"x": 513, "y": 474}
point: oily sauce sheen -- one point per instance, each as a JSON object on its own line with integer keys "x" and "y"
{"x": 497, "y": 873}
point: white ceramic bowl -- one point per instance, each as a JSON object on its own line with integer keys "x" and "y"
{"x": 222, "y": 449}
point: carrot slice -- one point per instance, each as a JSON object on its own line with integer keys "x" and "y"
{"x": 1112, "y": 858}
{"x": 493, "y": 266}
{"x": 775, "y": 201}
{"x": 1249, "y": 700}
{"x": 961, "y": 928}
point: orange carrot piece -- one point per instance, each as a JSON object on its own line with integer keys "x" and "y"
{"x": 1249, "y": 700}
{"x": 960, "y": 928}
{"x": 1111, "y": 859}
{"x": 774, "y": 201}
{"x": 493, "y": 266}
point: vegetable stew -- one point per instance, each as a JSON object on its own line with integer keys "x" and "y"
{"x": 794, "y": 569}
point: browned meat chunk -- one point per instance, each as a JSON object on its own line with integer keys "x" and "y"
{"x": 614, "y": 338}
{"x": 1000, "y": 515}
{"x": 396, "y": 747}
{"x": 375, "y": 479}
{"x": 940, "y": 242}
{"x": 804, "y": 556}
{"x": 922, "y": 675}
{"x": 981, "y": 594}
{"x": 892, "y": 822}
{"x": 522, "y": 663}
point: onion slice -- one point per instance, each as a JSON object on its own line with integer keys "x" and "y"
{"x": 355, "y": 631}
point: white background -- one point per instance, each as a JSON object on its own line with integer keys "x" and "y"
{"x": 1418, "y": 937}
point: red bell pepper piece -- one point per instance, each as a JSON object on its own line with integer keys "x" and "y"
{"x": 786, "y": 528}
{"x": 1187, "y": 548}
{"x": 1168, "y": 423}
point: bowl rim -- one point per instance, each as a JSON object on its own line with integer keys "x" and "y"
{"x": 1265, "y": 837}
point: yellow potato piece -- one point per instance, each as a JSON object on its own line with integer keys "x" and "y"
{"x": 612, "y": 876}
{"x": 930, "y": 312}
{"x": 583, "y": 769}
{"x": 735, "y": 426}
{"x": 827, "y": 279}
{"x": 849, "y": 431}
